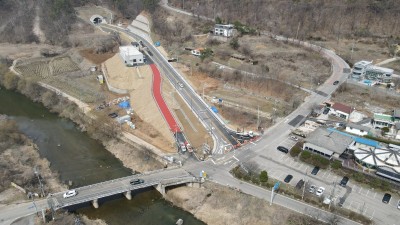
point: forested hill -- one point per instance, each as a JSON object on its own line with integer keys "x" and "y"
{"x": 56, "y": 17}
{"x": 317, "y": 18}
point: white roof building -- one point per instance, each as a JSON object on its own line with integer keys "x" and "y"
{"x": 386, "y": 161}
{"x": 225, "y": 30}
{"x": 131, "y": 55}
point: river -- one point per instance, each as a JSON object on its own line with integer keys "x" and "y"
{"x": 84, "y": 161}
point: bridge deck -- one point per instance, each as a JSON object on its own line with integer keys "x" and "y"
{"x": 117, "y": 186}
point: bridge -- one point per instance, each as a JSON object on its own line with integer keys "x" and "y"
{"x": 159, "y": 179}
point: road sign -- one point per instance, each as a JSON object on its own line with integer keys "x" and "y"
{"x": 276, "y": 186}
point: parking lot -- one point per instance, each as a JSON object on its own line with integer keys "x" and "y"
{"x": 357, "y": 198}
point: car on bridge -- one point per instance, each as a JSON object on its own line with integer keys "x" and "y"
{"x": 336, "y": 82}
{"x": 136, "y": 181}
{"x": 70, "y": 193}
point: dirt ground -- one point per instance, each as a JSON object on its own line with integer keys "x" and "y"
{"x": 120, "y": 76}
{"x": 218, "y": 205}
{"x": 394, "y": 65}
{"x": 363, "y": 49}
{"x": 135, "y": 157}
{"x": 355, "y": 96}
{"x": 95, "y": 58}
{"x": 15, "y": 51}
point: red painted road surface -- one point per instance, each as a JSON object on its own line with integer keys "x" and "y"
{"x": 160, "y": 100}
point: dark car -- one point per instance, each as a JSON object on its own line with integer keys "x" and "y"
{"x": 336, "y": 82}
{"x": 136, "y": 181}
{"x": 282, "y": 149}
{"x": 315, "y": 170}
{"x": 300, "y": 184}
{"x": 113, "y": 115}
{"x": 344, "y": 181}
{"x": 386, "y": 198}
{"x": 288, "y": 178}
{"x": 150, "y": 53}
{"x": 326, "y": 111}
{"x": 341, "y": 202}
{"x": 172, "y": 60}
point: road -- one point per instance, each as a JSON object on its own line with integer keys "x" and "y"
{"x": 222, "y": 139}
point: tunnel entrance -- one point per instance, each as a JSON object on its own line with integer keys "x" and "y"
{"x": 96, "y": 19}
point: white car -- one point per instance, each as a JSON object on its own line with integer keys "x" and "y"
{"x": 70, "y": 193}
{"x": 312, "y": 189}
{"x": 294, "y": 138}
{"x": 320, "y": 191}
{"x": 398, "y": 205}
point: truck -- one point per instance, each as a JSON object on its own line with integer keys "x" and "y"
{"x": 245, "y": 134}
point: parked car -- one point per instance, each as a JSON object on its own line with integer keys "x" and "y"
{"x": 294, "y": 138}
{"x": 150, "y": 53}
{"x": 386, "y": 198}
{"x": 344, "y": 181}
{"x": 288, "y": 178}
{"x": 113, "y": 115}
{"x": 136, "y": 181}
{"x": 326, "y": 111}
{"x": 315, "y": 170}
{"x": 320, "y": 191}
{"x": 312, "y": 189}
{"x": 172, "y": 60}
{"x": 398, "y": 204}
{"x": 336, "y": 82}
{"x": 70, "y": 193}
{"x": 300, "y": 184}
{"x": 341, "y": 202}
{"x": 282, "y": 149}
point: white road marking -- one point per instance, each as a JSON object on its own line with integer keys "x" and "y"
{"x": 360, "y": 190}
{"x": 236, "y": 158}
{"x": 375, "y": 195}
{"x": 213, "y": 161}
{"x": 372, "y": 216}
{"x": 253, "y": 143}
{"x": 227, "y": 162}
{"x": 367, "y": 192}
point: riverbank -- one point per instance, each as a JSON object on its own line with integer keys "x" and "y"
{"x": 19, "y": 160}
{"x": 215, "y": 204}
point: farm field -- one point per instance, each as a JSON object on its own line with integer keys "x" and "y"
{"x": 64, "y": 74}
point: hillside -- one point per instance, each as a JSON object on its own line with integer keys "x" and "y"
{"x": 307, "y": 19}
{"x": 51, "y": 21}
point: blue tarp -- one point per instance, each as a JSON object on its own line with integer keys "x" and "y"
{"x": 124, "y": 105}
{"x": 214, "y": 109}
{"x": 157, "y": 43}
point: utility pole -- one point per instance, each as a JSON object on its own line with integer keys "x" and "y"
{"x": 258, "y": 117}
{"x": 332, "y": 194}
{"x": 304, "y": 187}
{"x": 40, "y": 182}
{"x": 297, "y": 32}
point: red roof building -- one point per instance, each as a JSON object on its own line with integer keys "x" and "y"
{"x": 342, "y": 111}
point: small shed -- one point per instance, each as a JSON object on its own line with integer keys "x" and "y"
{"x": 123, "y": 119}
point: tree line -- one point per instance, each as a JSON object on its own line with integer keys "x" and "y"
{"x": 306, "y": 18}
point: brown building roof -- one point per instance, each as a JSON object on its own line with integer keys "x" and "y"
{"x": 343, "y": 108}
